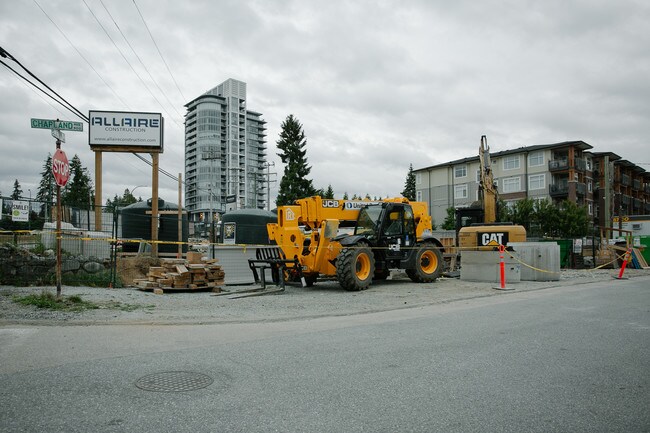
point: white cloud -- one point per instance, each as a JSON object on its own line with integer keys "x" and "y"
{"x": 377, "y": 85}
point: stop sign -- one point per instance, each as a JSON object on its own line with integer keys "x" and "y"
{"x": 60, "y": 168}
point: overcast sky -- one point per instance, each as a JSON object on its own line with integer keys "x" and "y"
{"x": 377, "y": 85}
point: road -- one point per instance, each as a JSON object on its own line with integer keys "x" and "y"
{"x": 560, "y": 359}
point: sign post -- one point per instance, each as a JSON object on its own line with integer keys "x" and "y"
{"x": 61, "y": 173}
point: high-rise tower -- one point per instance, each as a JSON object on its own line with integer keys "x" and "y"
{"x": 225, "y": 153}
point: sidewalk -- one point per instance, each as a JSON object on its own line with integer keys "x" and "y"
{"x": 132, "y": 306}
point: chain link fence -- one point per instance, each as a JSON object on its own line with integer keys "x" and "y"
{"x": 28, "y": 239}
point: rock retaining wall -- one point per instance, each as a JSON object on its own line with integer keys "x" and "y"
{"x": 21, "y": 267}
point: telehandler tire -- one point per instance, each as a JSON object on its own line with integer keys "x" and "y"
{"x": 355, "y": 267}
{"x": 428, "y": 264}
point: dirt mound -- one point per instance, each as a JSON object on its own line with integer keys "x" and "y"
{"x": 131, "y": 268}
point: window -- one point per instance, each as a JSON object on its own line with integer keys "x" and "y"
{"x": 460, "y": 191}
{"x": 460, "y": 171}
{"x": 536, "y": 159}
{"x": 590, "y": 186}
{"x": 511, "y": 162}
{"x": 591, "y": 208}
{"x": 418, "y": 195}
{"x": 511, "y": 184}
{"x": 536, "y": 181}
{"x": 418, "y": 178}
{"x": 478, "y": 176}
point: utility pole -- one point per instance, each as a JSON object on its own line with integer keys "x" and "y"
{"x": 268, "y": 165}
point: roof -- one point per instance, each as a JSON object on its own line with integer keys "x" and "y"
{"x": 612, "y": 155}
{"x": 579, "y": 144}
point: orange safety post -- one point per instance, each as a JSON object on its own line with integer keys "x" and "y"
{"x": 626, "y": 258}
{"x": 502, "y": 269}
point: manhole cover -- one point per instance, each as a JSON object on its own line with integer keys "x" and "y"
{"x": 174, "y": 381}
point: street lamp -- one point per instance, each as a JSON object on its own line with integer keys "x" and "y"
{"x": 139, "y": 186}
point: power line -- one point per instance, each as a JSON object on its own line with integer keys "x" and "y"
{"x": 82, "y": 56}
{"x": 161, "y": 56}
{"x": 127, "y": 61}
{"x": 140, "y": 60}
{"x": 70, "y": 107}
{"x": 54, "y": 107}
{"x": 67, "y": 105}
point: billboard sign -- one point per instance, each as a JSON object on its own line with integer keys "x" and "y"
{"x": 120, "y": 131}
{"x": 20, "y": 211}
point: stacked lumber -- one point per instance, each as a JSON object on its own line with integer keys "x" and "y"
{"x": 179, "y": 274}
{"x": 638, "y": 261}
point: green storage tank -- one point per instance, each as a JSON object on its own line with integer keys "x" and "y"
{"x": 136, "y": 224}
{"x": 246, "y": 226}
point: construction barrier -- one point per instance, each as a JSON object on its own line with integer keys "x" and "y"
{"x": 502, "y": 270}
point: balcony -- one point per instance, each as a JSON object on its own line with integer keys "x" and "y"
{"x": 580, "y": 164}
{"x": 636, "y": 184}
{"x": 626, "y": 200}
{"x": 558, "y": 164}
{"x": 636, "y": 203}
{"x": 626, "y": 180}
{"x": 559, "y": 190}
{"x": 581, "y": 189}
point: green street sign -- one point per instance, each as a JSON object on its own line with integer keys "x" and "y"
{"x": 64, "y": 125}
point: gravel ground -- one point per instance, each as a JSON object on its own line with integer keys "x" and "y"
{"x": 132, "y": 306}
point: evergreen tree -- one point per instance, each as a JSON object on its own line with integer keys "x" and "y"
{"x": 450, "y": 221}
{"x": 46, "y": 193}
{"x": 18, "y": 192}
{"x": 294, "y": 183}
{"x": 78, "y": 192}
{"x": 119, "y": 202}
{"x": 345, "y": 196}
{"x": 329, "y": 193}
{"x": 409, "y": 185}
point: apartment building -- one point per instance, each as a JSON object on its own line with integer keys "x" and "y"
{"x": 225, "y": 153}
{"x": 601, "y": 181}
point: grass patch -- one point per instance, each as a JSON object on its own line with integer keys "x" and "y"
{"x": 74, "y": 303}
{"x": 49, "y": 301}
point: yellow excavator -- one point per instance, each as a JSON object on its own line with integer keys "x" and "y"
{"x": 477, "y": 227}
{"x": 352, "y": 241}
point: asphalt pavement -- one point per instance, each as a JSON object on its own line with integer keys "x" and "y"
{"x": 565, "y": 358}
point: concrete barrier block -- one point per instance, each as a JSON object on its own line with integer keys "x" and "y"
{"x": 484, "y": 266}
{"x": 542, "y": 258}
